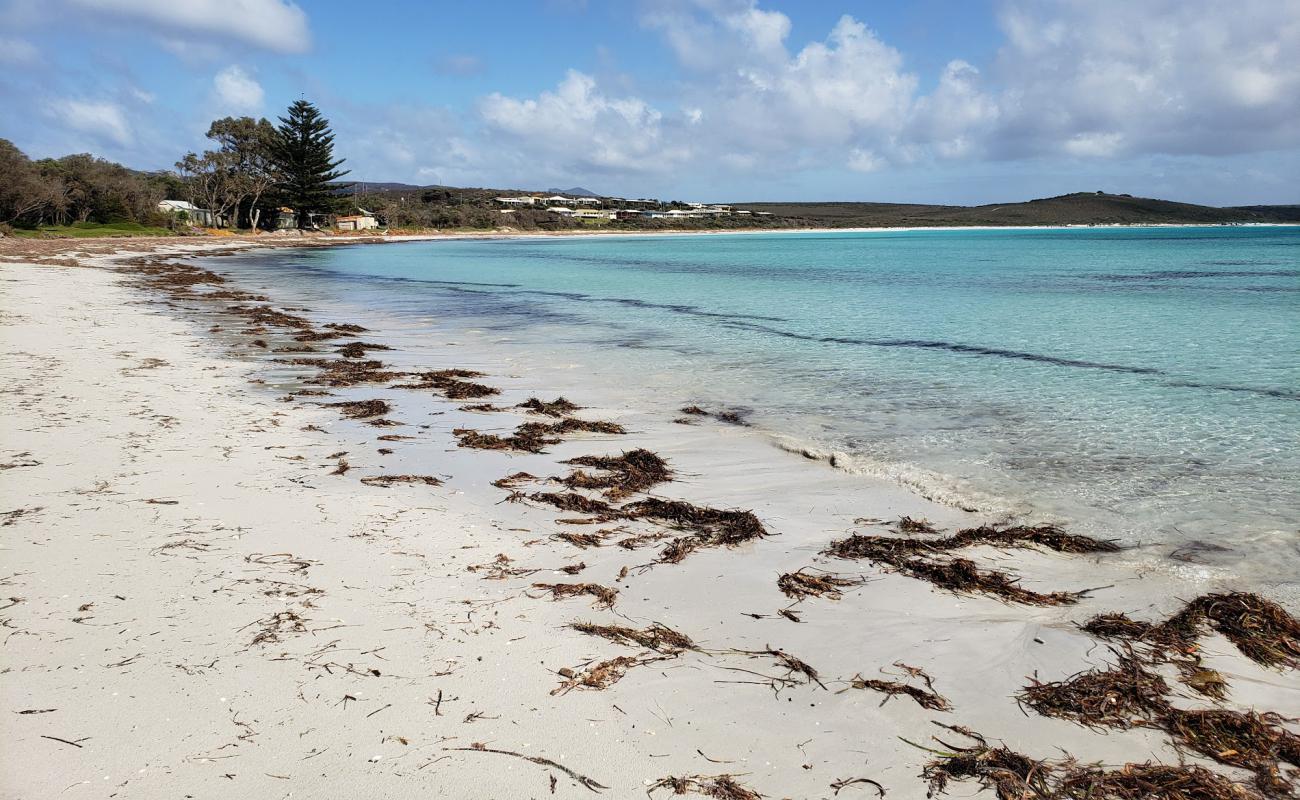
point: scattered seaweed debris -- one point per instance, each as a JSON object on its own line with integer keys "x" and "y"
{"x": 532, "y": 437}
{"x": 498, "y": 569}
{"x": 1128, "y": 695}
{"x": 344, "y": 372}
{"x": 452, "y": 383}
{"x": 276, "y": 626}
{"x": 361, "y": 409}
{"x": 583, "y": 540}
{"x": 604, "y": 595}
{"x": 734, "y": 417}
{"x": 708, "y": 527}
{"x": 1009, "y": 774}
{"x": 632, "y": 472}
{"x": 394, "y": 437}
{"x": 722, "y": 787}
{"x": 392, "y": 480}
{"x": 1149, "y": 781}
{"x": 1248, "y": 740}
{"x": 558, "y": 407}
{"x": 797, "y": 672}
{"x": 513, "y": 480}
{"x": 1013, "y": 776}
{"x": 598, "y": 510}
{"x": 694, "y": 411}
{"x": 1262, "y": 630}
{"x": 484, "y": 408}
{"x": 1120, "y": 697}
{"x": 359, "y": 349}
{"x": 342, "y": 467}
{"x": 926, "y": 698}
{"x": 601, "y": 675}
{"x": 799, "y": 585}
{"x": 583, "y": 780}
{"x": 660, "y": 638}
{"x": 909, "y": 525}
{"x": 1049, "y": 536}
{"x": 917, "y": 559}
{"x": 346, "y": 327}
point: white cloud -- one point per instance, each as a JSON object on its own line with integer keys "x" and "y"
{"x": 100, "y": 120}
{"x": 19, "y": 52}
{"x": 1111, "y": 77}
{"x": 864, "y": 160}
{"x": 581, "y": 128}
{"x": 277, "y": 25}
{"x": 237, "y": 91}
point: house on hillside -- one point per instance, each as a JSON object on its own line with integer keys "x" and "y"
{"x": 560, "y": 200}
{"x": 187, "y": 211}
{"x": 516, "y": 201}
{"x": 362, "y": 221}
{"x": 561, "y": 210}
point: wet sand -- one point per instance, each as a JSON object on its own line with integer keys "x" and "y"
{"x": 202, "y": 602}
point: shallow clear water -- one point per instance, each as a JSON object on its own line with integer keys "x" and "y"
{"x": 1138, "y": 383}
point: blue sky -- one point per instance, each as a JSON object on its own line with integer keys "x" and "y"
{"x": 961, "y": 101}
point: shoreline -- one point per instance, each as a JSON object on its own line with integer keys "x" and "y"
{"x": 717, "y": 466}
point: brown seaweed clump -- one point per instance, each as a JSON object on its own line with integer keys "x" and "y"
{"x": 800, "y": 584}
{"x": 920, "y": 560}
{"x": 359, "y": 349}
{"x": 632, "y": 472}
{"x": 1121, "y": 697}
{"x": 721, "y": 787}
{"x": 598, "y": 676}
{"x": 1249, "y": 740}
{"x": 598, "y": 510}
{"x": 1260, "y": 629}
{"x": 1010, "y": 775}
{"x": 1128, "y": 695}
{"x": 513, "y": 480}
{"x": 661, "y": 639}
{"x": 604, "y": 595}
{"x": 361, "y": 409}
{"x": 706, "y": 527}
{"x": 909, "y": 525}
{"x": 452, "y": 383}
{"x": 558, "y": 407}
{"x": 925, "y": 698}
{"x": 1148, "y": 781}
{"x": 532, "y": 437}
{"x": 393, "y": 480}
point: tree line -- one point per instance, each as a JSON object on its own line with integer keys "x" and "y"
{"x": 253, "y": 169}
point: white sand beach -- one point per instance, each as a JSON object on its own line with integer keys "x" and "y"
{"x": 200, "y": 603}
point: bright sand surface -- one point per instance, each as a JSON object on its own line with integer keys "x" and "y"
{"x": 197, "y": 607}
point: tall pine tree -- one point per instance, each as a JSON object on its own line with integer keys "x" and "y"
{"x": 304, "y": 153}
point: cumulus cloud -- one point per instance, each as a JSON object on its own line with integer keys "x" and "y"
{"x": 1079, "y": 79}
{"x": 582, "y": 128}
{"x": 276, "y": 25}
{"x": 1104, "y": 77}
{"x": 237, "y": 91}
{"x": 99, "y": 120}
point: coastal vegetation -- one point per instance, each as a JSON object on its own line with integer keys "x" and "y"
{"x": 259, "y": 175}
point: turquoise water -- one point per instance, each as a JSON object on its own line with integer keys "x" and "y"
{"x": 1141, "y": 383}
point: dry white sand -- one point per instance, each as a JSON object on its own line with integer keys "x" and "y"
{"x": 198, "y": 608}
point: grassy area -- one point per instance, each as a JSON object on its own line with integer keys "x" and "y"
{"x": 91, "y": 229}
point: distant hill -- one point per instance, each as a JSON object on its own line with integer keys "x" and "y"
{"x": 1081, "y": 208}
{"x": 576, "y": 191}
